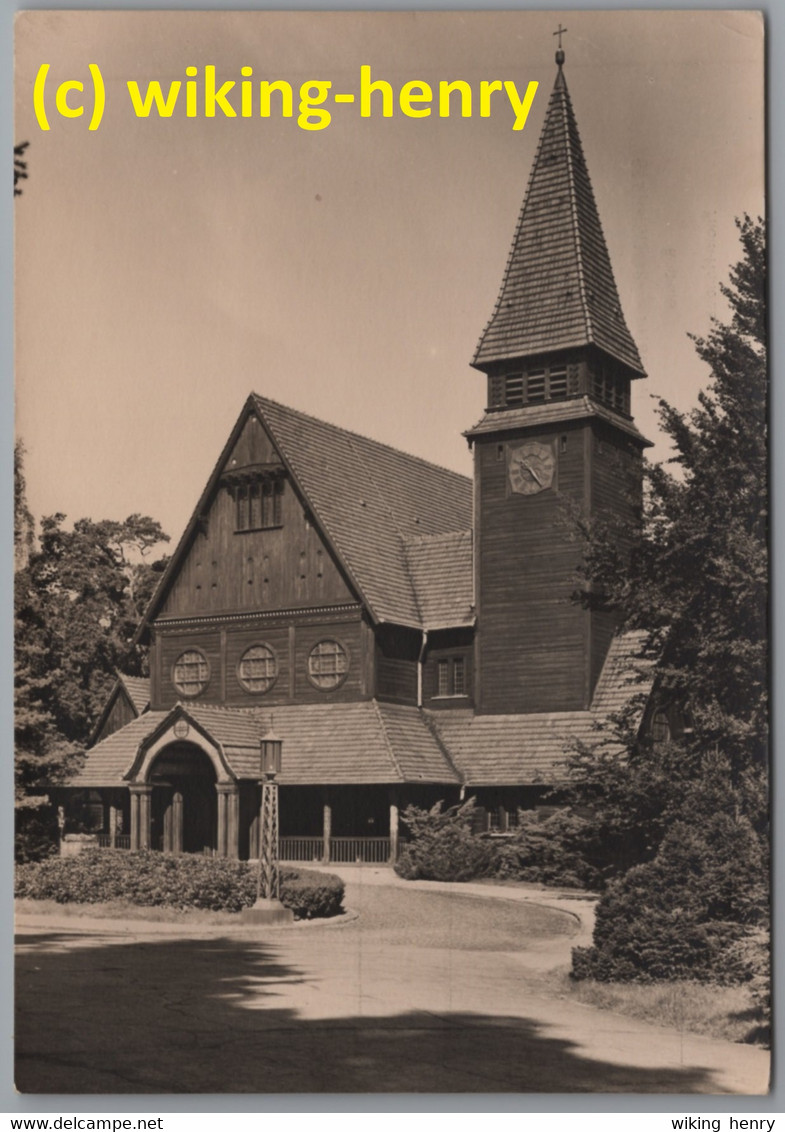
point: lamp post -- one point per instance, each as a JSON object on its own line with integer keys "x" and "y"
{"x": 268, "y": 908}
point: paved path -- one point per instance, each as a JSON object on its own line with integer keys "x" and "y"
{"x": 425, "y": 991}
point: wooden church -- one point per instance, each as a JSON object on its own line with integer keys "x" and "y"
{"x": 408, "y": 632}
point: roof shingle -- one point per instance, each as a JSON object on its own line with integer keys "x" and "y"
{"x": 138, "y": 689}
{"x": 441, "y": 570}
{"x": 370, "y": 499}
{"x": 324, "y": 744}
{"x": 558, "y": 290}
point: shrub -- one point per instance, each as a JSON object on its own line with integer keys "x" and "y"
{"x": 441, "y": 845}
{"x": 554, "y": 850}
{"x": 181, "y": 882}
{"x": 311, "y": 894}
{"x": 687, "y": 913}
{"x": 35, "y": 832}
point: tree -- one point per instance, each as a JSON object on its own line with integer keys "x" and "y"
{"x": 690, "y": 814}
{"x": 696, "y": 577}
{"x": 24, "y": 524}
{"x": 79, "y": 601}
{"x": 78, "y": 596}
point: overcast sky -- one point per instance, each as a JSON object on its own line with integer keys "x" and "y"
{"x": 166, "y": 268}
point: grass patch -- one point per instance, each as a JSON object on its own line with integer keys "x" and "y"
{"x": 726, "y": 1012}
{"x": 124, "y": 910}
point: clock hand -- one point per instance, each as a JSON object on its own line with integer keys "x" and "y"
{"x": 531, "y": 470}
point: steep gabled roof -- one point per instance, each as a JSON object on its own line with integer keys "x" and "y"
{"x": 558, "y": 290}
{"x": 135, "y": 690}
{"x": 367, "y": 498}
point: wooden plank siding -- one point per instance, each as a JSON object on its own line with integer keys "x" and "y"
{"x": 531, "y": 639}
{"x": 277, "y": 568}
{"x": 397, "y": 652}
{"x": 615, "y": 489}
{"x": 290, "y": 642}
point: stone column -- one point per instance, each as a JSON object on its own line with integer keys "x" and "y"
{"x": 253, "y": 834}
{"x": 140, "y": 815}
{"x": 228, "y": 819}
{"x": 393, "y": 826}
{"x": 220, "y": 847}
{"x": 134, "y": 818}
{"x": 112, "y": 825}
{"x": 327, "y": 828}
{"x": 177, "y": 822}
{"x": 233, "y": 822}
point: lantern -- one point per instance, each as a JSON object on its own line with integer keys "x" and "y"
{"x": 271, "y": 755}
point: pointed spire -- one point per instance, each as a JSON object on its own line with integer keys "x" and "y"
{"x": 558, "y": 290}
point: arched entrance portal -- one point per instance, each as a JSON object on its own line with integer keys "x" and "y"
{"x": 184, "y": 803}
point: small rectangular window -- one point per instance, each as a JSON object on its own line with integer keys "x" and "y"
{"x": 267, "y": 504}
{"x": 277, "y": 498}
{"x": 558, "y": 384}
{"x": 241, "y": 521}
{"x": 258, "y": 504}
{"x": 598, "y": 384}
{"x": 514, "y": 390}
{"x": 254, "y": 506}
{"x": 451, "y": 677}
{"x": 535, "y": 386}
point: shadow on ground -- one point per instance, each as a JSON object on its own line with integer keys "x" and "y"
{"x": 108, "y": 1015}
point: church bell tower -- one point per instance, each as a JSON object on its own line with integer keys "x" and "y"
{"x": 557, "y": 435}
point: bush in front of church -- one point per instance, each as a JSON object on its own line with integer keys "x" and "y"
{"x": 690, "y": 913}
{"x": 184, "y": 882}
{"x": 440, "y": 845}
{"x": 560, "y": 849}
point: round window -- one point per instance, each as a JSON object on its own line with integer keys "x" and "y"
{"x": 328, "y": 663}
{"x": 257, "y": 669}
{"x": 191, "y": 673}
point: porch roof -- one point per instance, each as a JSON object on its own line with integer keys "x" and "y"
{"x": 330, "y": 744}
{"x": 506, "y": 750}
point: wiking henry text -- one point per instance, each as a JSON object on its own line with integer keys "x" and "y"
{"x": 202, "y": 94}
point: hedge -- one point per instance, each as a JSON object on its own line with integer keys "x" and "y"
{"x": 180, "y": 882}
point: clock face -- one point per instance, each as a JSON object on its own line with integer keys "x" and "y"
{"x": 531, "y": 468}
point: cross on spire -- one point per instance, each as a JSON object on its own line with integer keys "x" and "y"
{"x": 560, "y": 54}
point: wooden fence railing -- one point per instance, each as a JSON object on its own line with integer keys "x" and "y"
{"x": 360, "y": 850}
{"x": 306, "y": 850}
{"x": 122, "y": 841}
{"x": 303, "y": 849}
